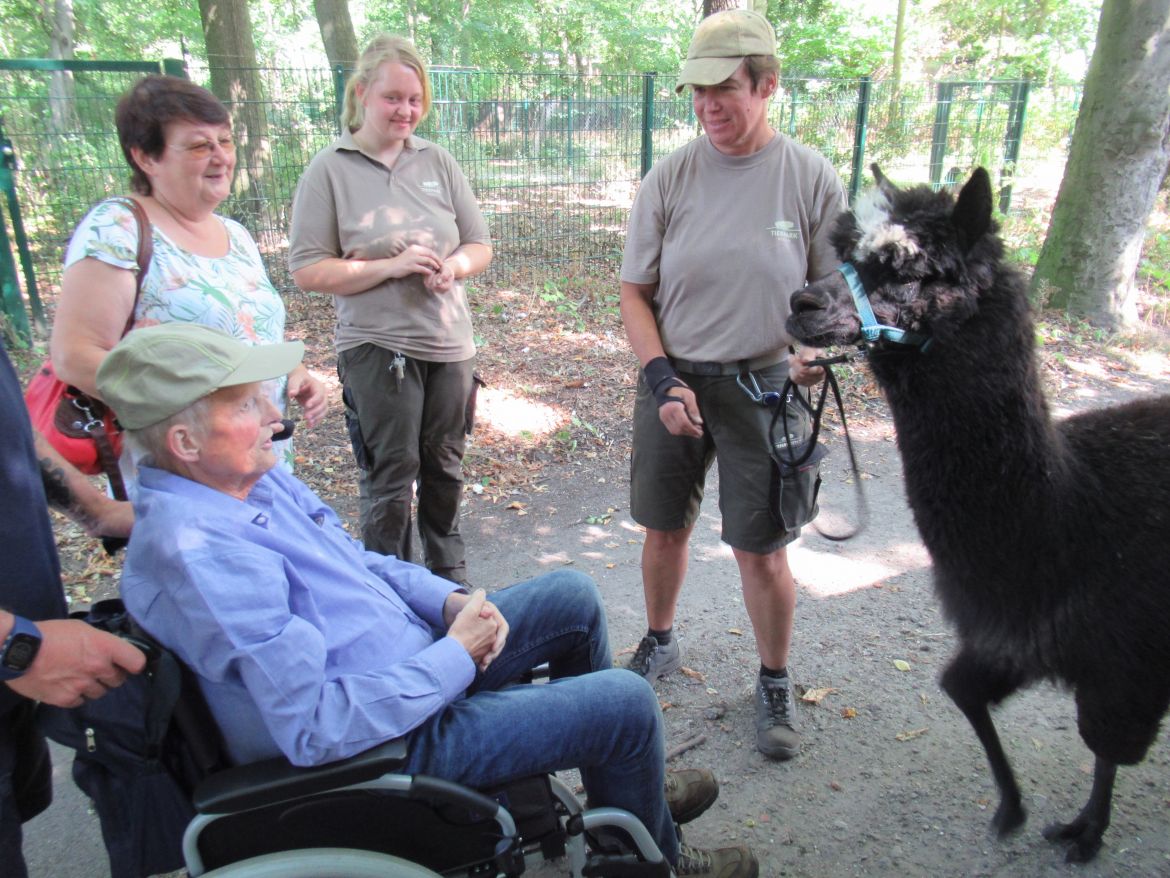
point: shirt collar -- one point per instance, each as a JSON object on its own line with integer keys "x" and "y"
{"x": 257, "y": 509}
{"x": 346, "y": 143}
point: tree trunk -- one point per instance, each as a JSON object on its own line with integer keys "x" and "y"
{"x": 235, "y": 80}
{"x": 412, "y": 21}
{"x": 62, "y": 97}
{"x": 1119, "y": 152}
{"x": 899, "y": 47}
{"x": 337, "y": 31}
{"x": 710, "y": 7}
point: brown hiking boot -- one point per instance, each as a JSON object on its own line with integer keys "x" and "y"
{"x": 690, "y": 792}
{"x": 737, "y": 862}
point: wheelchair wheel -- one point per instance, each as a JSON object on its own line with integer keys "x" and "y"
{"x": 323, "y": 863}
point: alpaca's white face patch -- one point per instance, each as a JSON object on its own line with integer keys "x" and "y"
{"x": 877, "y": 231}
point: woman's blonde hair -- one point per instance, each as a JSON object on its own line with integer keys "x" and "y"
{"x": 384, "y": 48}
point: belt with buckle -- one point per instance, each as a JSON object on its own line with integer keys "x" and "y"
{"x": 734, "y": 368}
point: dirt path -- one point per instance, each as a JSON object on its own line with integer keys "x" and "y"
{"x": 891, "y": 780}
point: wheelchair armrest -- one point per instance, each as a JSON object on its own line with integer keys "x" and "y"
{"x": 274, "y": 780}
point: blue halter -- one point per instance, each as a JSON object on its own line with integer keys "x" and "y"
{"x": 871, "y": 330}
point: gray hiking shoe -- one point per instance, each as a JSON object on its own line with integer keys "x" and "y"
{"x": 736, "y": 862}
{"x": 690, "y": 792}
{"x": 653, "y": 661}
{"x": 776, "y": 735}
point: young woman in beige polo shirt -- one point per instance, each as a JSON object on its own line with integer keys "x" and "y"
{"x": 386, "y": 223}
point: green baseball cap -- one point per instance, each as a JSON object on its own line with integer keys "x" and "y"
{"x": 157, "y": 371}
{"x": 720, "y": 44}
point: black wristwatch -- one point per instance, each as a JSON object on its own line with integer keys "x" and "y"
{"x": 19, "y": 648}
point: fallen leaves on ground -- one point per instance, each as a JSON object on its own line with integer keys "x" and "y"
{"x": 816, "y": 696}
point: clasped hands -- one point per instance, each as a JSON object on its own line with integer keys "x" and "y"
{"x": 438, "y": 274}
{"x": 477, "y": 624}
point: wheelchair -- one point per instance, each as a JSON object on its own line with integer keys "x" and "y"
{"x": 352, "y": 818}
{"x": 359, "y": 817}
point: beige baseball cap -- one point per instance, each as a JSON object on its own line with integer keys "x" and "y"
{"x": 720, "y": 44}
{"x": 157, "y": 371}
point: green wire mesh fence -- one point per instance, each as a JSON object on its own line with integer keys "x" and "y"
{"x": 554, "y": 158}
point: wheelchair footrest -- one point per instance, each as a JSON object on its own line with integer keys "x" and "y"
{"x": 624, "y": 866}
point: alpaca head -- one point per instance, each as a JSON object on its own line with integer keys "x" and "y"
{"x": 922, "y": 257}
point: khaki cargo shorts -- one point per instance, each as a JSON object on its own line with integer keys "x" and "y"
{"x": 667, "y": 472}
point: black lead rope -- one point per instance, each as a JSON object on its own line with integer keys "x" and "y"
{"x": 794, "y": 460}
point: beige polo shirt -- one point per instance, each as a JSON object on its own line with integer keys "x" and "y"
{"x": 350, "y": 205}
{"x": 728, "y": 239}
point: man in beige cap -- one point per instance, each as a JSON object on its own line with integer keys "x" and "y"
{"x": 722, "y": 232}
{"x": 307, "y": 645}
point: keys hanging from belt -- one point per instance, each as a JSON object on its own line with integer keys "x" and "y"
{"x": 398, "y": 367}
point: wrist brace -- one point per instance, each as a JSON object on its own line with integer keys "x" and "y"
{"x": 660, "y": 377}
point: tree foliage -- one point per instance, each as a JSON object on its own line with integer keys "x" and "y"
{"x": 836, "y": 38}
{"x": 1013, "y": 39}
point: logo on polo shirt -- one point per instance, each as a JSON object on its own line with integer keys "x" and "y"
{"x": 784, "y": 229}
{"x": 431, "y": 187}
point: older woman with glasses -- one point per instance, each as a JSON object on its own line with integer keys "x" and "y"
{"x": 205, "y": 268}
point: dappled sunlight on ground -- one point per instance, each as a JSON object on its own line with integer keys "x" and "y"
{"x": 716, "y": 552}
{"x": 553, "y": 559}
{"x": 828, "y": 574}
{"x": 515, "y": 416}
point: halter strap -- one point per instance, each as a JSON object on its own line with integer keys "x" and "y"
{"x": 871, "y": 330}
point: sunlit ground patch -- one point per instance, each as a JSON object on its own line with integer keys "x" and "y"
{"x": 515, "y": 416}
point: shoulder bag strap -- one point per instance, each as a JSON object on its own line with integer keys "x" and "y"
{"x": 144, "y": 255}
{"x": 107, "y": 459}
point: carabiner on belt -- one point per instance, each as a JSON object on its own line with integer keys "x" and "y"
{"x": 748, "y": 384}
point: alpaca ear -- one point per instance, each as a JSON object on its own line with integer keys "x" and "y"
{"x": 884, "y": 185}
{"x": 972, "y": 214}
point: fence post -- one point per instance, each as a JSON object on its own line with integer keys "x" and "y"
{"x": 647, "y": 122}
{"x": 527, "y": 104}
{"x": 12, "y": 304}
{"x": 13, "y": 307}
{"x": 860, "y": 129}
{"x": 339, "y": 92}
{"x": 175, "y": 67}
{"x": 938, "y": 140}
{"x": 569, "y": 128}
{"x": 1012, "y": 138}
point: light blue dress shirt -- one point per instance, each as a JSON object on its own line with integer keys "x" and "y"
{"x": 304, "y": 643}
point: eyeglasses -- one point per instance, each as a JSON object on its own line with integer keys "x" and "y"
{"x": 204, "y": 148}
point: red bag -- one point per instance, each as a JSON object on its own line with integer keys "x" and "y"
{"x": 72, "y": 422}
{"x": 82, "y": 429}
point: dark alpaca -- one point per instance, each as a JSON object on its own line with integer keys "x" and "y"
{"x": 1050, "y": 540}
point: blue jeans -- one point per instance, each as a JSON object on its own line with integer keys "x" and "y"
{"x": 591, "y": 716}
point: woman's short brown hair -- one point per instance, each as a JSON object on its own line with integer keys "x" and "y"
{"x": 153, "y": 103}
{"x": 384, "y": 48}
{"x": 759, "y": 67}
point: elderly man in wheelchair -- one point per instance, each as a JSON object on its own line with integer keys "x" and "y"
{"x": 308, "y": 648}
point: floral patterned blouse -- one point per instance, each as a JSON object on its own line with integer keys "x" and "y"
{"x": 231, "y": 293}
